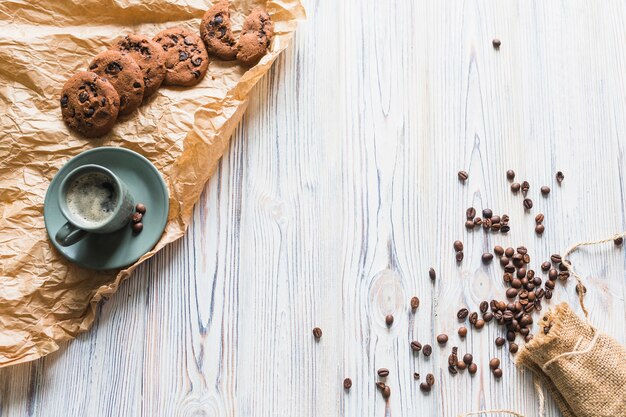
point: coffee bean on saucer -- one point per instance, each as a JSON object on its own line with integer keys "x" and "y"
{"x": 137, "y": 217}
{"x": 137, "y": 227}
{"x": 140, "y": 208}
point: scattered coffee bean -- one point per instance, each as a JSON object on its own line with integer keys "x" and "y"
{"x": 442, "y": 339}
{"x": 472, "y": 368}
{"x": 539, "y": 229}
{"x": 416, "y": 376}
{"x": 470, "y": 213}
{"x": 548, "y": 295}
{"x": 427, "y": 350}
{"x": 424, "y": 387}
{"x": 386, "y": 392}
{"x": 317, "y": 332}
{"x": 513, "y": 348}
{"x": 383, "y": 372}
{"x": 416, "y": 346}
{"x": 618, "y": 241}
{"x": 463, "y": 176}
{"x": 525, "y": 187}
{"x": 515, "y": 187}
{"x": 415, "y": 303}
{"x": 347, "y": 383}
{"x": 497, "y": 373}
{"x": 494, "y": 363}
{"x": 432, "y": 274}
{"x": 545, "y": 190}
{"x": 140, "y": 208}
{"x": 137, "y": 227}
{"x": 480, "y": 323}
{"x": 559, "y": 177}
{"x": 484, "y": 305}
{"x": 545, "y": 266}
{"x": 473, "y": 318}
{"x": 510, "y": 336}
{"x": 539, "y": 218}
{"x": 469, "y": 224}
{"x": 509, "y": 252}
{"x": 500, "y": 341}
{"x": 505, "y": 218}
{"x": 461, "y": 366}
{"x": 496, "y": 43}
{"x": 478, "y": 221}
{"x": 468, "y": 358}
{"x": 504, "y": 261}
{"x": 511, "y": 293}
{"x": 462, "y": 331}
{"x": 498, "y": 250}
{"x": 488, "y": 317}
{"x": 388, "y": 320}
{"x": 462, "y": 314}
{"x": 553, "y": 274}
{"x": 459, "y": 256}
{"x": 495, "y": 220}
{"x": 458, "y": 245}
{"x": 487, "y": 213}
{"x": 556, "y": 259}
{"x": 430, "y": 379}
{"x": 380, "y": 385}
{"x": 487, "y": 257}
{"x": 528, "y": 203}
{"x": 136, "y": 218}
{"x": 510, "y": 174}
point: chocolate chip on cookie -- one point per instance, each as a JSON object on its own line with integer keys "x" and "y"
{"x": 256, "y": 36}
{"x": 215, "y": 30}
{"x": 89, "y": 104}
{"x": 186, "y": 58}
{"x": 148, "y": 55}
{"x": 125, "y": 76}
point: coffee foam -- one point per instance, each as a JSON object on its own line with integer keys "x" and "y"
{"x": 92, "y": 197}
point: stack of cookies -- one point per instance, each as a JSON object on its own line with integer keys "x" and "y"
{"x": 120, "y": 79}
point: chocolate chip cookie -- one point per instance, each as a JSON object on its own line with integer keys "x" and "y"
{"x": 186, "y": 58}
{"x": 256, "y": 35}
{"x": 89, "y": 104}
{"x": 215, "y": 30}
{"x": 148, "y": 55}
{"x": 125, "y": 76}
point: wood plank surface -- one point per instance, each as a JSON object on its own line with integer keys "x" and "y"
{"x": 338, "y": 193}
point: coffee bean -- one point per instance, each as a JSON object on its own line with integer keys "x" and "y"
{"x": 463, "y": 176}
{"x": 528, "y": 203}
{"x": 453, "y": 360}
{"x": 545, "y": 266}
{"x": 416, "y": 376}
{"x": 424, "y": 387}
{"x": 521, "y": 272}
{"x": 548, "y": 295}
{"x": 510, "y": 174}
{"x": 513, "y": 348}
{"x": 539, "y": 229}
{"x": 380, "y": 385}
{"x": 383, "y": 372}
{"x": 545, "y": 190}
{"x": 459, "y": 256}
{"x": 494, "y": 363}
{"x": 461, "y": 366}
{"x": 388, "y": 320}
{"x": 427, "y": 350}
{"x": 137, "y": 227}
{"x": 528, "y": 338}
{"x": 618, "y": 241}
{"x": 553, "y": 274}
{"x": 526, "y": 259}
{"x": 495, "y": 227}
{"x": 556, "y": 259}
{"x": 488, "y": 317}
{"x": 473, "y": 318}
{"x": 487, "y": 257}
{"x": 487, "y": 224}
{"x": 524, "y": 331}
{"x": 458, "y": 245}
{"x": 498, "y": 250}
{"x": 472, "y": 368}
{"x": 487, "y": 213}
{"x": 386, "y": 392}
{"x": 515, "y": 187}
{"x": 470, "y": 213}
{"x": 468, "y": 358}
{"x": 509, "y": 268}
{"x": 509, "y": 252}
{"x": 559, "y": 177}
{"x": 347, "y": 383}
{"x": 462, "y": 331}
{"x": 442, "y": 339}
{"x": 317, "y": 332}
{"x": 511, "y": 293}
{"x": 480, "y": 323}
{"x": 497, "y": 373}
{"x": 496, "y": 43}
{"x": 469, "y": 224}
{"x": 462, "y": 314}
{"x": 495, "y": 220}
{"x": 140, "y": 208}
{"x": 525, "y": 186}
{"x": 579, "y": 286}
{"x": 478, "y": 221}
{"x": 504, "y": 261}
{"x": 500, "y": 341}
{"x": 430, "y": 379}
{"x": 415, "y": 303}
{"x": 516, "y": 283}
{"x": 550, "y": 284}
{"x": 416, "y": 346}
{"x": 539, "y": 218}
{"x": 432, "y": 274}
{"x": 136, "y": 218}
{"x": 505, "y": 219}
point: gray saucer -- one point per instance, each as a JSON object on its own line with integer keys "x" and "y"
{"x": 121, "y": 248}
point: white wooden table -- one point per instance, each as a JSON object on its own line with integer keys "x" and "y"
{"x": 337, "y": 194}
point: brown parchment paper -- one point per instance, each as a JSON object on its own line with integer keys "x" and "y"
{"x": 44, "y": 299}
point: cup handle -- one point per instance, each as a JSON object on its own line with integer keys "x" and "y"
{"x": 69, "y": 234}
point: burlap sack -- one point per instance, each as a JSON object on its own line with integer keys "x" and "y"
{"x": 583, "y": 369}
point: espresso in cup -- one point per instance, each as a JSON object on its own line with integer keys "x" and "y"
{"x": 92, "y": 197}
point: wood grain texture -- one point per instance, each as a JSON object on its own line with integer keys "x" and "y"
{"x": 338, "y": 193}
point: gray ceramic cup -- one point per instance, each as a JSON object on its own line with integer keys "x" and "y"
{"x": 77, "y": 227}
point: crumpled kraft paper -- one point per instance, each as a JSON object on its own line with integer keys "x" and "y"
{"x": 44, "y": 299}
